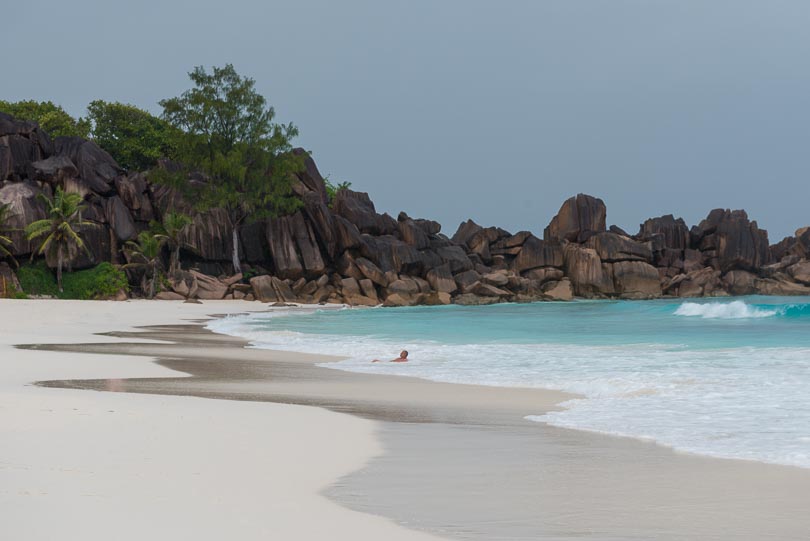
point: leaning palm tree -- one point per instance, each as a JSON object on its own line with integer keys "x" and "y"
{"x": 171, "y": 229}
{"x": 6, "y": 244}
{"x": 145, "y": 254}
{"x": 59, "y": 230}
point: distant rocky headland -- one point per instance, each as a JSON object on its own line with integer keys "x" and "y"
{"x": 339, "y": 249}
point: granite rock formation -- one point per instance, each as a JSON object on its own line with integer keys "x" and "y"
{"x": 346, "y": 251}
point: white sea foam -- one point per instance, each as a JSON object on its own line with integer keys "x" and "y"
{"x": 723, "y": 310}
{"x": 738, "y": 402}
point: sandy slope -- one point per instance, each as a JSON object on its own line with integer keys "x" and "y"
{"x": 88, "y": 465}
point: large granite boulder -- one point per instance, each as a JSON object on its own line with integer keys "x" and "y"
{"x": 584, "y": 268}
{"x": 322, "y": 222}
{"x": 465, "y": 232}
{"x": 307, "y": 245}
{"x": 120, "y": 219}
{"x": 800, "y": 272}
{"x": 282, "y": 241}
{"x": 578, "y": 217}
{"x": 635, "y": 280}
{"x": 467, "y": 280}
{"x": 455, "y": 258}
{"x": 209, "y": 236}
{"x": 740, "y": 282}
{"x": 391, "y": 254}
{"x": 371, "y": 271}
{"x": 698, "y": 283}
{"x": 511, "y": 245}
{"x": 780, "y": 285}
{"x": 535, "y": 253}
{"x": 561, "y": 290}
{"x": 97, "y": 169}
{"x": 346, "y": 234}
{"x": 310, "y": 176}
{"x": 54, "y": 170}
{"x": 133, "y": 190}
{"x": 272, "y": 289}
{"x": 665, "y": 232}
{"x": 411, "y": 233}
{"x": 208, "y": 287}
{"x": 731, "y": 241}
{"x": 441, "y": 279}
{"x": 358, "y": 209}
{"x": 21, "y": 143}
{"x": 612, "y": 247}
{"x": 25, "y": 207}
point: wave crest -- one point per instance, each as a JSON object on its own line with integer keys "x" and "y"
{"x": 723, "y": 310}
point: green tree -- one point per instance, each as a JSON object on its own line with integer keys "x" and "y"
{"x": 229, "y": 135}
{"x": 132, "y": 136}
{"x": 50, "y": 117}
{"x": 60, "y": 230}
{"x": 6, "y": 244}
{"x": 172, "y": 227}
{"x": 145, "y": 254}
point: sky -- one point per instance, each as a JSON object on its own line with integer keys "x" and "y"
{"x": 457, "y": 109}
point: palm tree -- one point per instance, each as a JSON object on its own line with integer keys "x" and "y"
{"x": 145, "y": 254}
{"x": 6, "y": 244}
{"x": 173, "y": 226}
{"x": 59, "y": 230}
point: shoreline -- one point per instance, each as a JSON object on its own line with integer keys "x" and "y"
{"x": 422, "y": 425}
{"x": 159, "y": 466}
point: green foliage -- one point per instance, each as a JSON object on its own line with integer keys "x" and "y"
{"x": 51, "y": 118}
{"x": 144, "y": 254}
{"x": 171, "y": 229}
{"x": 103, "y": 281}
{"x": 132, "y": 136}
{"x": 61, "y": 239}
{"x": 229, "y": 135}
{"x": 37, "y": 279}
{"x": 332, "y": 189}
{"x": 6, "y": 244}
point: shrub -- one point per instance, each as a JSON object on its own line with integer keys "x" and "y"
{"x": 100, "y": 282}
{"x": 37, "y": 279}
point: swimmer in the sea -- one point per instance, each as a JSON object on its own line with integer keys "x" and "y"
{"x": 403, "y": 358}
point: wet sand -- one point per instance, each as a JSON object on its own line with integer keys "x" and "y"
{"x": 76, "y": 464}
{"x": 462, "y": 462}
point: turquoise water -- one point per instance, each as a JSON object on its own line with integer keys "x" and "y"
{"x": 721, "y": 377}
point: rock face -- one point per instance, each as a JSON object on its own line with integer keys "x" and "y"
{"x": 577, "y": 217}
{"x": 345, "y": 251}
{"x": 732, "y": 241}
{"x": 636, "y": 280}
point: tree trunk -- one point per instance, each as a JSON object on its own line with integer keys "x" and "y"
{"x": 237, "y": 268}
{"x": 59, "y": 268}
{"x": 174, "y": 263}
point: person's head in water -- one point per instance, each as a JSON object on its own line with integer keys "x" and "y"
{"x": 403, "y": 354}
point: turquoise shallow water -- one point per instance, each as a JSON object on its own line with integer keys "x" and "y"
{"x": 722, "y": 377}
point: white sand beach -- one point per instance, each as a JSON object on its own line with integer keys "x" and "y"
{"x": 213, "y": 440}
{"x": 77, "y": 464}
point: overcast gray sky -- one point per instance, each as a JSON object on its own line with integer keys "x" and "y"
{"x": 496, "y": 111}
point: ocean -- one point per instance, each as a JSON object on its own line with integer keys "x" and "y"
{"x": 719, "y": 377}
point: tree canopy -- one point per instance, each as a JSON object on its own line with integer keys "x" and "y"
{"x": 229, "y": 135}
{"x": 50, "y": 117}
{"x": 135, "y": 138}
